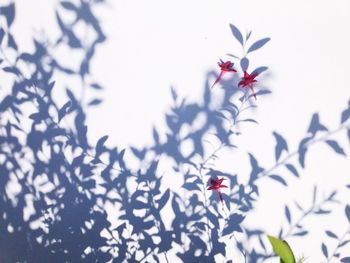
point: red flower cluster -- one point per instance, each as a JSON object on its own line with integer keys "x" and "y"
{"x": 247, "y": 80}
{"x": 225, "y": 67}
{"x": 216, "y": 185}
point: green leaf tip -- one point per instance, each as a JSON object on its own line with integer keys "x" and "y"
{"x": 302, "y": 259}
{"x": 282, "y": 249}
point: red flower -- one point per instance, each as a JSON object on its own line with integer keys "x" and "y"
{"x": 248, "y": 81}
{"x": 216, "y": 185}
{"x": 225, "y": 67}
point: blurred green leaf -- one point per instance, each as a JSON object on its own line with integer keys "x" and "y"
{"x": 282, "y": 249}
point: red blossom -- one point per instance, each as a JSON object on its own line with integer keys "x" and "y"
{"x": 225, "y": 67}
{"x": 216, "y": 185}
{"x": 248, "y": 81}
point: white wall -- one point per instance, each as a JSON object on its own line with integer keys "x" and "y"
{"x": 155, "y": 44}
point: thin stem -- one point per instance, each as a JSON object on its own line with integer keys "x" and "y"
{"x": 206, "y": 209}
{"x": 211, "y": 156}
{"x": 145, "y": 256}
{"x": 312, "y": 209}
{"x": 157, "y": 223}
{"x": 241, "y": 250}
{"x": 338, "y": 245}
{"x": 292, "y": 154}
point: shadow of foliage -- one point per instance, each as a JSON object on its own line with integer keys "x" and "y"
{"x": 56, "y": 185}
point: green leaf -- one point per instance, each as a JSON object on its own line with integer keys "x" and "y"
{"x": 282, "y": 249}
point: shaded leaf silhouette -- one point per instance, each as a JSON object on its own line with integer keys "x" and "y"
{"x": 234, "y": 222}
{"x": 335, "y": 146}
{"x": 292, "y": 169}
{"x": 278, "y": 179}
{"x": 237, "y": 34}
{"x": 347, "y": 212}
{"x": 324, "y": 250}
{"x": 63, "y": 111}
{"x": 281, "y": 145}
{"x": 258, "y": 44}
{"x": 315, "y": 125}
{"x": 9, "y": 13}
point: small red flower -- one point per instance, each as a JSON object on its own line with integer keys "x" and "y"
{"x": 248, "y": 81}
{"x": 225, "y": 67}
{"x": 216, "y": 185}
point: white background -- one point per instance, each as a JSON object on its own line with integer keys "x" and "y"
{"x": 155, "y": 44}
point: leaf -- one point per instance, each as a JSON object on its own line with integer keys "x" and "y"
{"x": 281, "y": 145}
{"x": 164, "y": 199}
{"x": 282, "y": 249}
{"x": 292, "y": 169}
{"x": 50, "y": 87}
{"x": 260, "y": 70}
{"x": 69, "y": 6}
{"x": 9, "y": 12}
{"x": 192, "y": 186}
{"x": 256, "y": 169}
{"x": 347, "y": 212}
{"x": 287, "y": 213}
{"x": 258, "y": 44}
{"x": 331, "y": 234}
{"x": 121, "y": 159}
{"x": 237, "y": 34}
{"x": 198, "y": 242}
{"x": 140, "y": 154}
{"x": 11, "y": 42}
{"x": 2, "y": 34}
{"x": 344, "y": 243}
{"x": 244, "y": 62}
{"x": 233, "y": 224}
{"x": 173, "y": 93}
{"x": 175, "y": 205}
{"x": 12, "y": 70}
{"x": 262, "y": 92}
{"x": 302, "y": 233}
{"x": 96, "y": 86}
{"x": 248, "y": 120}
{"x": 336, "y": 147}
{"x": 63, "y": 111}
{"x": 302, "y": 150}
{"x": 94, "y": 102}
{"x": 322, "y": 212}
{"x": 73, "y": 41}
{"x": 220, "y": 115}
{"x": 138, "y": 204}
{"x": 89, "y": 184}
{"x": 345, "y": 115}
{"x": 232, "y": 55}
{"x": 36, "y": 117}
{"x": 71, "y": 95}
{"x": 99, "y": 145}
{"x": 200, "y": 225}
{"x": 166, "y": 241}
{"x": 120, "y": 228}
{"x": 324, "y": 250}
{"x": 278, "y": 179}
{"x": 155, "y": 136}
{"x": 248, "y": 35}
{"x": 315, "y": 125}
